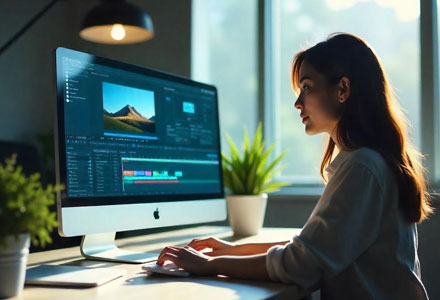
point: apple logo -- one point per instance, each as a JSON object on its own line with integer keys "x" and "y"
{"x": 156, "y": 214}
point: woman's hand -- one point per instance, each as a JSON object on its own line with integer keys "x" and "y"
{"x": 187, "y": 258}
{"x": 219, "y": 247}
{"x": 244, "y": 267}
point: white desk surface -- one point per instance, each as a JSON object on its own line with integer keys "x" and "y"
{"x": 137, "y": 285}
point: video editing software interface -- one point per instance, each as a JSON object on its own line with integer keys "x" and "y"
{"x": 128, "y": 133}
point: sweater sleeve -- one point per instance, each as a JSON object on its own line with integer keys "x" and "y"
{"x": 345, "y": 222}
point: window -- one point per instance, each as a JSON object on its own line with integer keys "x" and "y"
{"x": 224, "y": 53}
{"x": 436, "y": 85}
{"x": 391, "y": 27}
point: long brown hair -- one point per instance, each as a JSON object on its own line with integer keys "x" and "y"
{"x": 371, "y": 116}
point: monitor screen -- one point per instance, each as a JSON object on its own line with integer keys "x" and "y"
{"x": 131, "y": 135}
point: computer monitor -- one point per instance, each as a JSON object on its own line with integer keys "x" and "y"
{"x": 135, "y": 148}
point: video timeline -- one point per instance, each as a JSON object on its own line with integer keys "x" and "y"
{"x": 144, "y": 175}
{"x": 150, "y": 177}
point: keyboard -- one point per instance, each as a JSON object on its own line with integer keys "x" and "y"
{"x": 166, "y": 269}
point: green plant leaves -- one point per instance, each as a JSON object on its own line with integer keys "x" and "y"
{"x": 24, "y": 204}
{"x": 249, "y": 173}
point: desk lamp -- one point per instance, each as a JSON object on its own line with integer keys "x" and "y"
{"x": 116, "y": 22}
{"x": 111, "y": 22}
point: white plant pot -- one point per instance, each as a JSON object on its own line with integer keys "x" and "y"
{"x": 13, "y": 260}
{"x": 246, "y": 213}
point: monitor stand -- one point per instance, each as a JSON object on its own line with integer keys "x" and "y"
{"x": 102, "y": 246}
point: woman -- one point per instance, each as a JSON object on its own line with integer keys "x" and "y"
{"x": 360, "y": 241}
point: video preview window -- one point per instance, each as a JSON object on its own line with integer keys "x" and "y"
{"x": 128, "y": 110}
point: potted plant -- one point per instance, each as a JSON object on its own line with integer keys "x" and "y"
{"x": 24, "y": 217}
{"x": 248, "y": 177}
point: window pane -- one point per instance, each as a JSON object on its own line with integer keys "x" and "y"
{"x": 436, "y": 183}
{"x": 224, "y": 53}
{"x": 391, "y": 27}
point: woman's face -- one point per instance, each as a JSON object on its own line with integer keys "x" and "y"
{"x": 317, "y": 101}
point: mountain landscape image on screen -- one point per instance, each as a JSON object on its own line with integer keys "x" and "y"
{"x": 129, "y": 119}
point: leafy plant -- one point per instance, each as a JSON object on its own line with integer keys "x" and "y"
{"x": 250, "y": 173}
{"x": 24, "y": 204}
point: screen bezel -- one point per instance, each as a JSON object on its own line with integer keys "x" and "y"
{"x": 60, "y": 151}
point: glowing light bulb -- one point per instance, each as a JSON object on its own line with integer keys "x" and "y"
{"x": 118, "y": 32}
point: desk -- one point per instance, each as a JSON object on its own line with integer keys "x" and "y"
{"x": 137, "y": 285}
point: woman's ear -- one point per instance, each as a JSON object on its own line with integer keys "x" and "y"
{"x": 344, "y": 89}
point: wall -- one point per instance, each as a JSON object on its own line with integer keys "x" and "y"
{"x": 429, "y": 253}
{"x": 27, "y": 87}
{"x": 27, "y": 95}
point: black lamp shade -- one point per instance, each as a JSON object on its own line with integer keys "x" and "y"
{"x": 117, "y": 22}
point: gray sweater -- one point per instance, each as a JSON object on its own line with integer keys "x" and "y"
{"x": 356, "y": 243}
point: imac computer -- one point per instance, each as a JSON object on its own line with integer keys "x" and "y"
{"x": 135, "y": 148}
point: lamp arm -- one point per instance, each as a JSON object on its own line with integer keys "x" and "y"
{"x": 26, "y": 27}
